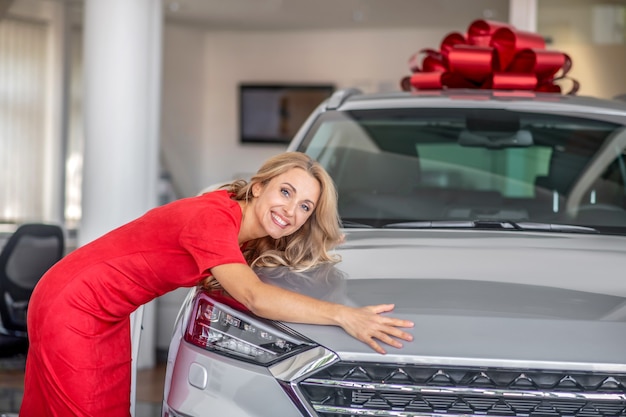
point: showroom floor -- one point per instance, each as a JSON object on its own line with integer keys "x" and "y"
{"x": 149, "y": 388}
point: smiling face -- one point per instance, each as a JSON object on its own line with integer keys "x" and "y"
{"x": 284, "y": 204}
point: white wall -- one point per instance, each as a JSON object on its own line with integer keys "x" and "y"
{"x": 598, "y": 64}
{"x": 182, "y": 109}
{"x": 203, "y": 69}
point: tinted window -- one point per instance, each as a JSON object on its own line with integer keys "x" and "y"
{"x": 469, "y": 164}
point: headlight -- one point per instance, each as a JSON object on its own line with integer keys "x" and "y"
{"x": 218, "y": 327}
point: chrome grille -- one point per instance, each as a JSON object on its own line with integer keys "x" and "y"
{"x": 366, "y": 389}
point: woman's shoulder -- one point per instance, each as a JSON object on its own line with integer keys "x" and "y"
{"x": 220, "y": 196}
{"x": 209, "y": 209}
{"x": 217, "y": 199}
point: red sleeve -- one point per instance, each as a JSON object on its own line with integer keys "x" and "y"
{"x": 211, "y": 236}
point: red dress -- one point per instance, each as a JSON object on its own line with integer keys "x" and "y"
{"x": 79, "y": 360}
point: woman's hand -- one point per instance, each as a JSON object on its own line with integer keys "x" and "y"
{"x": 367, "y": 324}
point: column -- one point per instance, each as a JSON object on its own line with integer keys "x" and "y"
{"x": 122, "y": 53}
{"x": 523, "y": 14}
{"x": 55, "y": 142}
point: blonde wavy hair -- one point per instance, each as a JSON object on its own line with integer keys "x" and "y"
{"x": 311, "y": 244}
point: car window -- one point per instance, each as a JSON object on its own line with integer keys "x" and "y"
{"x": 467, "y": 164}
{"x": 512, "y": 172}
{"x": 607, "y": 194}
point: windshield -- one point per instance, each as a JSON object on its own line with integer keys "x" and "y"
{"x": 415, "y": 165}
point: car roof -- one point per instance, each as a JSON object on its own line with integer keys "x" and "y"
{"x": 352, "y": 99}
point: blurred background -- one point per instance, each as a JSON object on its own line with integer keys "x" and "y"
{"x": 110, "y": 107}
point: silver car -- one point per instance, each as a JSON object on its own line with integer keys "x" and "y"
{"x": 496, "y": 221}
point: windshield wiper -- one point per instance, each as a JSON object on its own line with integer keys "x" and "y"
{"x": 491, "y": 224}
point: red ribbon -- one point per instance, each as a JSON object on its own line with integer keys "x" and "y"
{"x": 493, "y": 55}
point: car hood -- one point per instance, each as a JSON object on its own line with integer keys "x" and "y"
{"x": 479, "y": 297}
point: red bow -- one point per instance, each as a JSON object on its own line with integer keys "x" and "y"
{"x": 493, "y": 55}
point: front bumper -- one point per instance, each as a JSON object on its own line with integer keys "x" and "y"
{"x": 203, "y": 383}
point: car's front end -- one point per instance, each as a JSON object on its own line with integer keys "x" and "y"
{"x": 496, "y": 225}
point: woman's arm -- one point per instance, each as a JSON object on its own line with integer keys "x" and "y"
{"x": 365, "y": 323}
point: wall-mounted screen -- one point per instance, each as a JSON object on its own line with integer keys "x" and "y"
{"x": 273, "y": 113}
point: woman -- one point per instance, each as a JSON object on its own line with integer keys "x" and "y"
{"x": 79, "y": 362}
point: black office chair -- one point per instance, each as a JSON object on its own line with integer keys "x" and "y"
{"x": 29, "y": 252}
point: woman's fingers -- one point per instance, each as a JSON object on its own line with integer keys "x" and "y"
{"x": 374, "y": 345}
{"x": 384, "y": 338}
{"x": 385, "y": 308}
{"x": 398, "y": 333}
{"x": 381, "y": 308}
{"x": 394, "y": 328}
{"x": 376, "y": 327}
{"x": 391, "y": 321}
